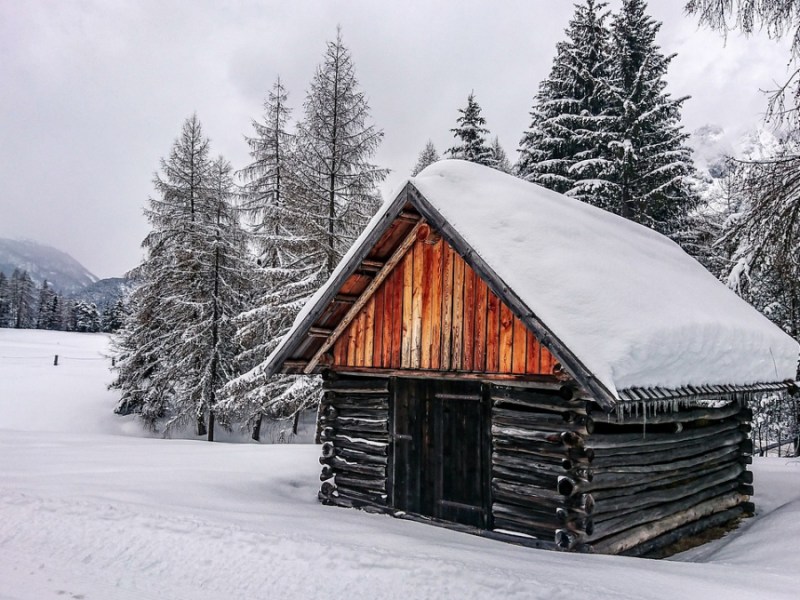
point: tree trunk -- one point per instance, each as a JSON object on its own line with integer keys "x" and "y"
{"x": 295, "y": 422}
{"x": 257, "y": 428}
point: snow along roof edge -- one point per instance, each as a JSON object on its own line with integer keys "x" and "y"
{"x": 625, "y": 302}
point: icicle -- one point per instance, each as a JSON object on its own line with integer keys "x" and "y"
{"x": 644, "y": 421}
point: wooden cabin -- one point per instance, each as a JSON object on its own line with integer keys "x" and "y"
{"x": 500, "y": 358}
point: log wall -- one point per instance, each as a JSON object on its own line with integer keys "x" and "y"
{"x": 433, "y": 312}
{"x": 537, "y": 441}
{"x": 660, "y": 478}
{"x": 562, "y": 471}
{"x": 354, "y": 431}
{"x": 632, "y": 484}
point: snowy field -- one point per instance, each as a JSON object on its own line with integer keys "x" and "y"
{"x": 92, "y": 509}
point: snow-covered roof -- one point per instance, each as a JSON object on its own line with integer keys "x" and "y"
{"x": 627, "y": 302}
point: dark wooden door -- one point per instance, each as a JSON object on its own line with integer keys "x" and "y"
{"x": 442, "y": 450}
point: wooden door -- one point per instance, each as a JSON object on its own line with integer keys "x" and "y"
{"x": 442, "y": 450}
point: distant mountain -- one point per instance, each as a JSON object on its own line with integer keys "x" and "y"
{"x": 104, "y": 292}
{"x": 42, "y": 262}
{"x": 712, "y": 147}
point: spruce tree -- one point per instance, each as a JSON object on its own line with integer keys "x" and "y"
{"x": 269, "y": 198}
{"x": 499, "y": 157}
{"x": 113, "y": 316}
{"x": 566, "y": 147}
{"x": 427, "y": 157}
{"x": 44, "y": 307}
{"x": 149, "y": 337}
{"x": 284, "y": 277}
{"x": 335, "y": 143}
{"x": 5, "y": 300}
{"x": 652, "y": 163}
{"x": 214, "y": 273}
{"x": 471, "y": 135}
{"x": 87, "y": 317}
{"x": 22, "y": 294}
{"x": 176, "y": 349}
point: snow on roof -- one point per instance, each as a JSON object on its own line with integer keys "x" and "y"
{"x": 632, "y": 306}
{"x": 628, "y": 302}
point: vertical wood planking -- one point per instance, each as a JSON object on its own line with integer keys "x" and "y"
{"x": 492, "y": 333}
{"x": 408, "y": 287}
{"x": 532, "y": 360}
{"x": 518, "y": 361}
{"x": 427, "y": 305}
{"x": 434, "y": 312}
{"x": 340, "y": 351}
{"x": 369, "y": 331}
{"x": 417, "y": 291}
{"x": 447, "y": 307}
{"x": 386, "y": 337}
{"x": 547, "y": 361}
{"x": 468, "y": 352}
{"x": 436, "y": 304}
{"x": 397, "y": 315}
{"x": 351, "y": 343}
{"x": 506, "y": 338}
{"x": 359, "y": 340}
{"x": 377, "y": 351}
{"x": 479, "y": 355}
{"x": 456, "y": 360}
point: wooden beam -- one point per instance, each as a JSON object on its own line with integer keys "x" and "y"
{"x": 365, "y": 296}
{"x": 371, "y": 266}
{"x": 409, "y": 217}
{"x": 294, "y": 365}
{"x": 322, "y": 332}
{"x": 345, "y": 298}
{"x": 546, "y": 382}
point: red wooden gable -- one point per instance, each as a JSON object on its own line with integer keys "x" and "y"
{"x": 433, "y": 312}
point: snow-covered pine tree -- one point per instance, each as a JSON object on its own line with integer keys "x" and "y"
{"x": 284, "y": 278}
{"x": 44, "y": 307}
{"x": 211, "y": 280}
{"x": 145, "y": 345}
{"x": 114, "y": 316}
{"x": 176, "y": 347}
{"x": 335, "y": 143}
{"x": 762, "y": 232}
{"x": 471, "y": 135}
{"x": 87, "y": 317}
{"x": 54, "y": 314}
{"x": 651, "y": 161}
{"x": 566, "y": 147}
{"x": 499, "y": 157}
{"x": 251, "y": 397}
{"x": 427, "y": 157}
{"x": 270, "y": 182}
{"x": 22, "y": 293}
{"x": 5, "y": 300}
{"x": 67, "y": 314}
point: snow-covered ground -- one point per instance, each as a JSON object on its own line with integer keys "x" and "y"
{"x": 90, "y": 508}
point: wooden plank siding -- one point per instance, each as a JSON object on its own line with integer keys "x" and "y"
{"x": 433, "y": 312}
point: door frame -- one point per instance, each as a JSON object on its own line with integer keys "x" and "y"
{"x": 429, "y": 486}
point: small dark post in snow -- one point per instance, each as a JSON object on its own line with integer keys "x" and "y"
{"x": 55, "y": 361}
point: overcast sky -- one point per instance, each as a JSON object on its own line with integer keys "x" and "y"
{"x": 93, "y": 93}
